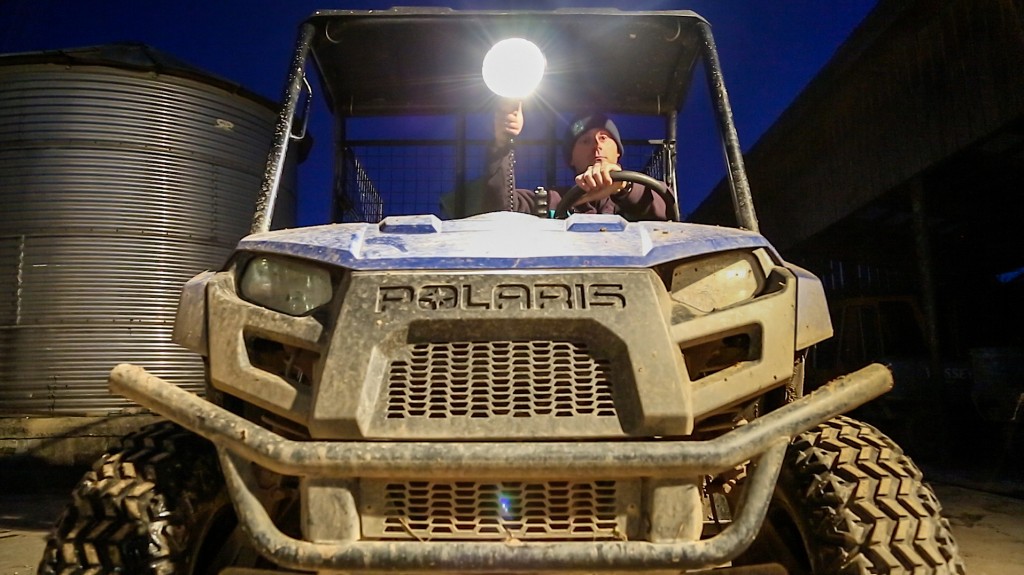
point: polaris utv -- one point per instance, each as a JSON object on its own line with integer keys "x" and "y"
{"x": 503, "y": 393}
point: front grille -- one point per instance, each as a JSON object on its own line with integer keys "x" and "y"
{"x": 562, "y": 510}
{"x": 499, "y": 379}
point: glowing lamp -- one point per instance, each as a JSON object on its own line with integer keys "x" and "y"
{"x": 513, "y": 68}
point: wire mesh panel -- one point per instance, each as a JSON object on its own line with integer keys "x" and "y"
{"x": 363, "y": 202}
{"x": 395, "y": 177}
{"x": 409, "y": 176}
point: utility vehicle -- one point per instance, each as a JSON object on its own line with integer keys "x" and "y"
{"x": 503, "y": 393}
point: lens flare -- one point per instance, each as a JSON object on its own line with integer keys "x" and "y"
{"x": 506, "y": 506}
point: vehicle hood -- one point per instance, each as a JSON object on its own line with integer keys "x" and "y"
{"x": 502, "y": 240}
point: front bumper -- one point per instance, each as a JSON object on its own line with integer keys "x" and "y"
{"x": 239, "y": 440}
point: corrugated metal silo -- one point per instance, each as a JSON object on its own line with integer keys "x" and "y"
{"x": 122, "y": 174}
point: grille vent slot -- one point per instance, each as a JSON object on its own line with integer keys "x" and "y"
{"x": 292, "y": 364}
{"x": 499, "y": 379}
{"x": 551, "y": 510}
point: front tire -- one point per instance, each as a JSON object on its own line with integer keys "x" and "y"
{"x": 849, "y": 501}
{"x": 155, "y": 506}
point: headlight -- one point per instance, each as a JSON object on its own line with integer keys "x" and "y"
{"x": 288, "y": 286}
{"x": 718, "y": 281}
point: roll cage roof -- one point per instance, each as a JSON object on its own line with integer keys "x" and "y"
{"x": 413, "y": 61}
{"x": 427, "y": 61}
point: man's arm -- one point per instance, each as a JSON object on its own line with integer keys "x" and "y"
{"x": 495, "y": 190}
{"x": 500, "y": 193}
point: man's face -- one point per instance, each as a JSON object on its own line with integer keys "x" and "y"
{"x": 592, "y": 146}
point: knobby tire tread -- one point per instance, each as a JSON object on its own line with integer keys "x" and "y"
{"x": 138, "y": 508}
{"x": 865, "y": 507}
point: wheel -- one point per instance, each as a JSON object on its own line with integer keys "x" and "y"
{"x": 575, "y": 193}
{"x": 849, "y": 501}
{"x": 157, "y": 505}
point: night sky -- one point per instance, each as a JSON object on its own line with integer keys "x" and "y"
{"x": 769, "y": 51}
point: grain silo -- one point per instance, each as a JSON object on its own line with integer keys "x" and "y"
{"x": 122, "y": 174}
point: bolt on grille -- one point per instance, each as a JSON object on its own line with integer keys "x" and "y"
{"x": 468, "y": 510}
{"x": 499, "y": 379}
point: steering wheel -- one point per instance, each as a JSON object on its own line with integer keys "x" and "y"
{"x": 576, "y": 192}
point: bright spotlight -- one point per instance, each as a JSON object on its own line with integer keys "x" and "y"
{"x": 513, "y": 68}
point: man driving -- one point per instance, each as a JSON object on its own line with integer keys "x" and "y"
{"x": 592, "y": 147}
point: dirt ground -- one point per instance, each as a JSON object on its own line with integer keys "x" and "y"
{"x": 989, "y": 528}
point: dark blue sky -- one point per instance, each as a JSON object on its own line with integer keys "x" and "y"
{"x": 769, "y": 49}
